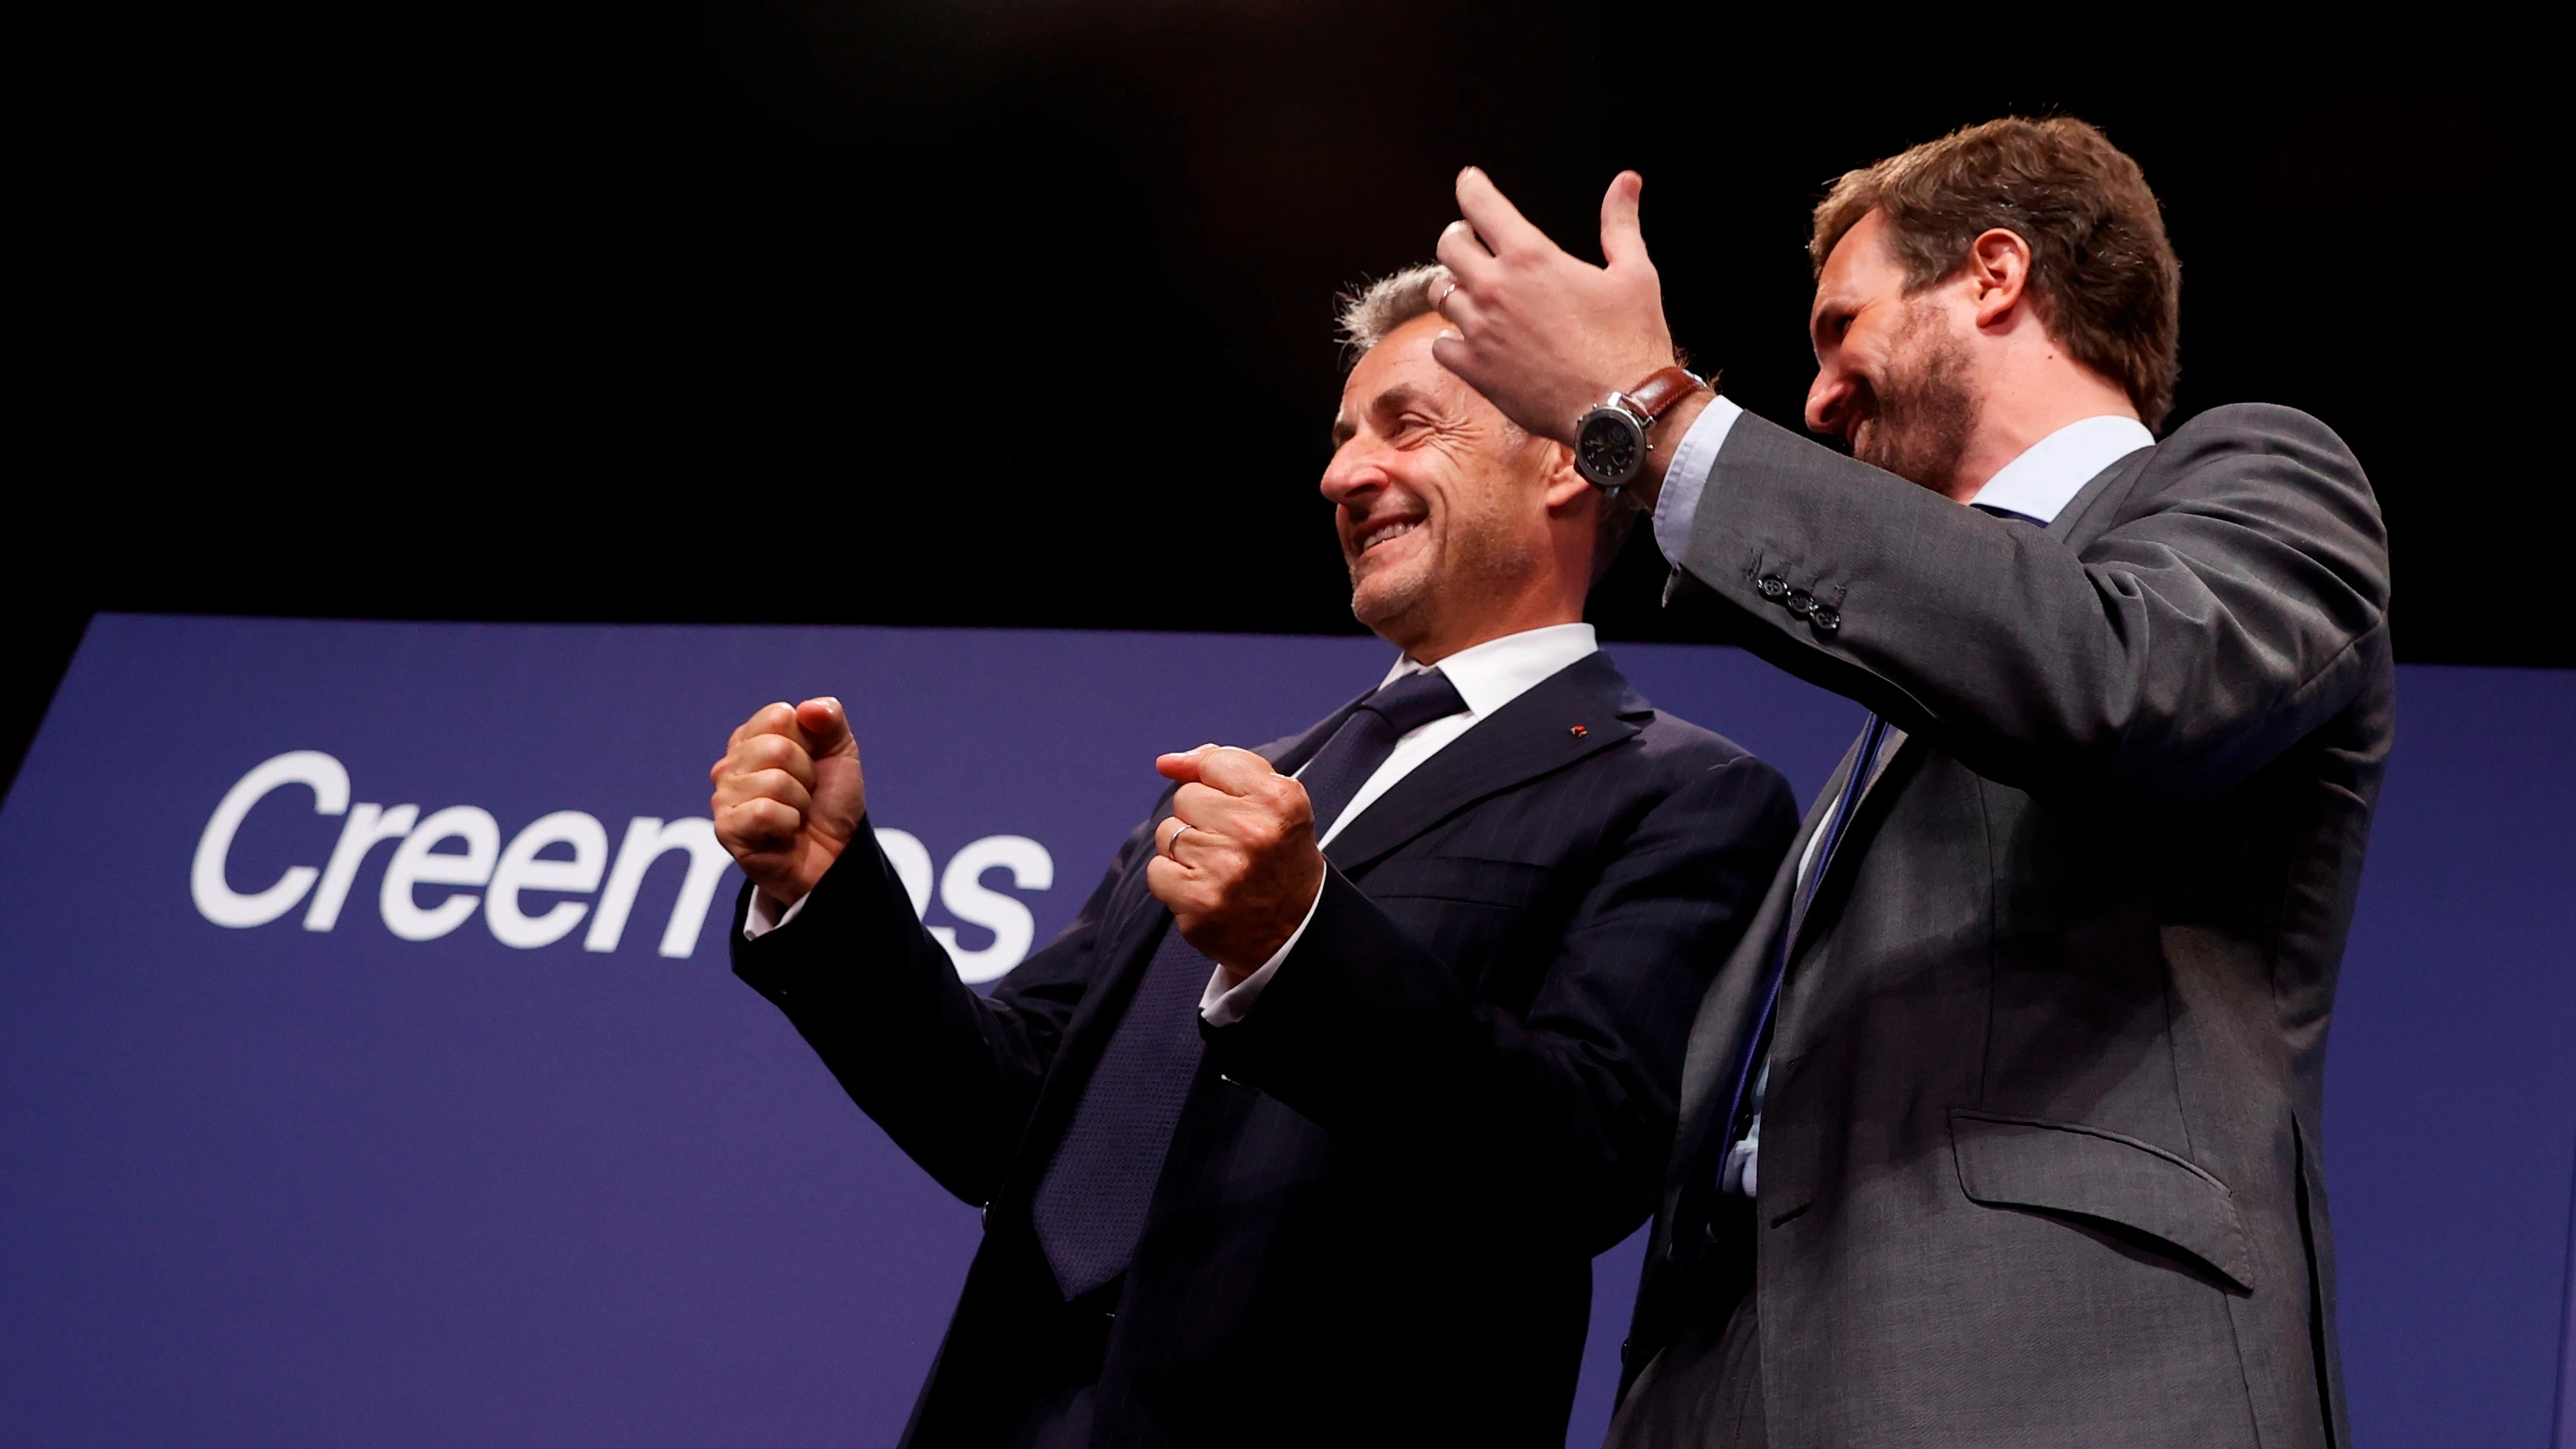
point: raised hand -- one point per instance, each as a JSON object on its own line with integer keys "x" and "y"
{"x": 1237, "y": 861}
{"x": 1542, "y": 334}
{"x": 789, "y": 795}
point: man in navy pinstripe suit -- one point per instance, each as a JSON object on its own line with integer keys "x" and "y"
{"x": 1306, "y": 1131}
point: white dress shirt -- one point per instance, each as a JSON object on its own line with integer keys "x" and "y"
{"x": 2036, "y": 485}
{"x": 1487, "y": 677}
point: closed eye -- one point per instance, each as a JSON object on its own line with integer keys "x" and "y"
{"x": 1831, "y": 326}
{"x": 1408, "y": 430}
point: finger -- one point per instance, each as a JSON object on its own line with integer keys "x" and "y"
{"x": 826, "y": 727}
{"x": 1177, "y": 887}
{"x": 774, "y": 866}
{"x": 1623, "y": 239}
{"x": 1451, "y": 351}
{"x": 1203, "y": 805}
{"x": 769, "y": 719}
{"x": 1458, "y": 306}
{"x": 1495, "y": 218}
{"x": 1463, "y": 253}
{"x": 766, "y": 785}
{"x": 772, "y": 752}
{"x": 1164, "y": 834}
{"x": 758, "y": 822}
{"x": 1235, "y": 771}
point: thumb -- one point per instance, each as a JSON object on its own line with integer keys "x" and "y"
{"x": 826, "y": 726}
{"x": 1182, "y": 765}
{"x": 1623, "y": 240}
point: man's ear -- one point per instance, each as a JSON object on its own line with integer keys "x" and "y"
{"x": 1565, "y": 487}
{"x": 1999, "y": 273}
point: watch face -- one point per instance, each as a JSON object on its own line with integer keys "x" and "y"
{"x": 1608, "y": 447}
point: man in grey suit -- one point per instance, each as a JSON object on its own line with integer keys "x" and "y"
{"x": 2001, "y": 1126}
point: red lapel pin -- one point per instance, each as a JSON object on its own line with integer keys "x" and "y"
{"x": 1578, "y": 732}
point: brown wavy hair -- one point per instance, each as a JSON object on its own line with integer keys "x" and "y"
{"x": 2108, "y": 283}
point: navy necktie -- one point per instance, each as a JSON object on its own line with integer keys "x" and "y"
{"x": 1090, "y": 1207}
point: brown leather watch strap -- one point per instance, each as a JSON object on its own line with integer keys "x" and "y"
{"x": 1664, "y": 387}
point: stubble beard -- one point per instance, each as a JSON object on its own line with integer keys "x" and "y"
{"x": 1477, "y": 558}
{"x": 1926, "y": 412}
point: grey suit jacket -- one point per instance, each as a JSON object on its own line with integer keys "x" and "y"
{"x": 2040, "y": 1151}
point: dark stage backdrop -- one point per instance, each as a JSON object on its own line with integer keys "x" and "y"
{"x": 503, "y": 1155}
{"x": 547, "y": 311}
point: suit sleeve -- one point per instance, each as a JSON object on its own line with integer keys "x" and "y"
{"x": 1560, "y": 1118}
{"x": 2238, "y": 603}
{"x": 951, "y": 1076}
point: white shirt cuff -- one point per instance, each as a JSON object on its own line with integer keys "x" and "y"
{"x": 1223, "y": 1007}
{"x": 1687, "y": 476}
{"x": 764, "y": 917}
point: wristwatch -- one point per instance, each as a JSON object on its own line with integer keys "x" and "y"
{"x": 1610, "y": 444}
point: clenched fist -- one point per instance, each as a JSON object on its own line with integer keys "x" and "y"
{"x": 1237, "y": 861}
{"x": 789, "y": 795}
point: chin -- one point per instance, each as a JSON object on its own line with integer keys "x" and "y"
{"x": 1380, "y": 602}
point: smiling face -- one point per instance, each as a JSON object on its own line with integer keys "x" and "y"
{"x": 1443, "y": 506}
{"x": 1894, "y": 375}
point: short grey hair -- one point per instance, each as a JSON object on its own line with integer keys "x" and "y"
{"x": 1371, "y": 311}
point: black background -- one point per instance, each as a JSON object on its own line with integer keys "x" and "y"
{"x": 1021, "y": 314}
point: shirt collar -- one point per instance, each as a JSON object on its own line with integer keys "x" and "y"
{"x": 2050, "y": 472}
{"x": 1498, "y": 671}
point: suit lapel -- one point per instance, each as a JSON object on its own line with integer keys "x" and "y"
{"x": 1129, "y": 919}
{"x": 1580, "y": 710}
{"x": 1133, "y": 923}
{"x": 1894, "y": 753}
{"x": 1726, "y": 1013}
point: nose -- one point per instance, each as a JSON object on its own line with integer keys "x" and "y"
{"x": 1355, "y": 473}
{"x": 1826, "y": 398}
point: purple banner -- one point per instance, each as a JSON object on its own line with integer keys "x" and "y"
{"x": 374, "y": 1074}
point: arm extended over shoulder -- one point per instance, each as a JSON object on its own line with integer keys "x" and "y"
{"x": 1561, "y": 1116}
{"x": 951, "y": 1076}
{"x": 2236, "y": 601}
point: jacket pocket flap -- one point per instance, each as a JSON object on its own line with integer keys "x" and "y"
{"x": 1458, "y": 878}
{"x": 2066, "y": 1167}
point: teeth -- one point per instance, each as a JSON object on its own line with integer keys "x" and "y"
{"x": 1377, "y": 536}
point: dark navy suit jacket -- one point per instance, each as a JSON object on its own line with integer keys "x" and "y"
{"x": 1376, "y": 1221}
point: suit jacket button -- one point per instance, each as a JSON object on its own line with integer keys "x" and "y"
{"x": 1771, "y": 586}
{"x": 1826, "y": 618}
{"x": 1799, "y": 602}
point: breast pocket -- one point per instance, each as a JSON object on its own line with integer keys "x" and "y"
{"x": 1467, "y": 880}
{"x": 1490, "y": 920}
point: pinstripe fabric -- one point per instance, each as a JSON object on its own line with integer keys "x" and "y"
{"x": 1375, "y": 1222}
{"x": 1090, "y": 1206}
